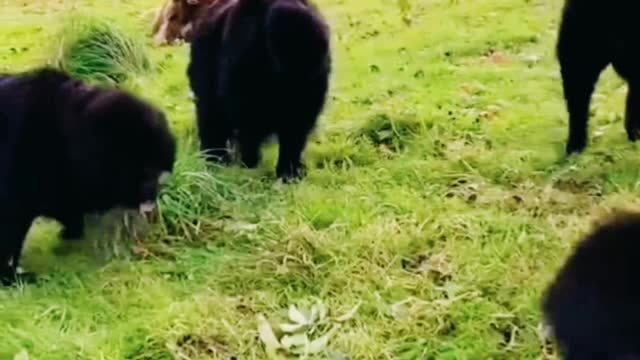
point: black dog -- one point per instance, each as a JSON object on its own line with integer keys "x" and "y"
{"x": 593, "y": 305}
{"x": 67, "y": 149}
{"x": 258, "y": 68}
{"x": 594, "y": 34}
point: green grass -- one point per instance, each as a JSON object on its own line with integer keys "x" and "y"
{"x": 92, "y": 49}
{"x": 438, "y": 197}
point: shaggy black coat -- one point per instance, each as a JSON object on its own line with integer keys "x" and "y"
{"x": 258, "y": 68}
{"x": 594, "y": 34}
{"x": 67, "y": 149}
{"x": 593, "y": 305}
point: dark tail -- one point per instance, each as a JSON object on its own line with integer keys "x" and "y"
{"x": 297, "y": 37}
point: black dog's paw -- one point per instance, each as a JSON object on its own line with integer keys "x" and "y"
{"x": 27, "y": 277}
{"x": 575, "y": 147}
{"x": 11, "y": 276}
{"x": 291, "y": 173}
{"x": 7, "y": 279}
{"x": 250, "y": 160}
{"x": 633, "y": 134}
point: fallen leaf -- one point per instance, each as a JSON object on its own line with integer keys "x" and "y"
{"x": 350, "y": 314}
{"x": 385, "y": 150}
{"x": 598, "y": 133}
{"x": 242, "y": 227}
{"x": 438, "y": 265}
{"x": 322, "y": 311}
{"x": 296, "y": 316}
{"x": 291, "y": 328}
{"x": 315, "y": 312}
{"x": 451, "y": 289}
{"x": 318, "y": 313}
{"x": 289, "y": 341}
{"x": 140, "y": 251}
{"x": 22, "y": 355}
{"x": 499, "y": 58}
{"x": 320, "y": 344}
{"x": 268, "y": 337}
{"x": 338, "y": 356}
{"x": 532, "y": 59}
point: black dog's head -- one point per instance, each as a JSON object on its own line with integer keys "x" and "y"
{"x": 123, "y": 153}
{"x": 592, "y": 305}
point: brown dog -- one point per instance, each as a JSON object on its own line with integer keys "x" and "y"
{"x": 176, "y": 19}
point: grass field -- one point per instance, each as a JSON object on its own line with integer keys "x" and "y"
{"x": 438, "y": 199}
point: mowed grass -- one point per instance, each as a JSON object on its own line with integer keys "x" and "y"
{"x": 438, "y": 198}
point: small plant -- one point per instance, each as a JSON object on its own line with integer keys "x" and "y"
{"x": 391, "y": 132}
{"x": 306, "y": 332}
{"x": 94, "y": 50}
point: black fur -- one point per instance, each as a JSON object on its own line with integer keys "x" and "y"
{"x": 67, "y": 149}
{"x": 594, "y": 34}
{"x": 593, "y": 305}
{"x": 258, "y": 68}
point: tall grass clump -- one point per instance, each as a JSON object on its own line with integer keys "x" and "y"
{"x": 200, "y": 195}
{"x": 94, "y": 50}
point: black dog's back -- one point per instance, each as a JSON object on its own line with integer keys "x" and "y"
{"x": 68, "y": 149}
{"x": 10, "y": 113}
{"x": 15, "y": 95}
{"x": 593, "y": 305}
{"x": 260, "y": 68}
{"x": 297, "y": 38}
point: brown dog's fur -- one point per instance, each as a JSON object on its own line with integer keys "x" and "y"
{"x": 176, "y": 19}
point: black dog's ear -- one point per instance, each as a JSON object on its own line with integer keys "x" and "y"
{"x": 123, "y": 122}
{"x": 116, "y": 114}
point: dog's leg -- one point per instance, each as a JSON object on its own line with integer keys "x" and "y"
{"x": 292, "y": 143}
{"x": 159, "y": 19}
{"x": 578, "y": 83}
{"x": 250, "y": 148}
{"x": 582, "y": 59}
{"x": 632, "y": 120}
{"x": 186, "y": 31}
{"x": 214, "y": 130}
{"x": 14, "y": 230}
{"x": 161, "y": 37}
